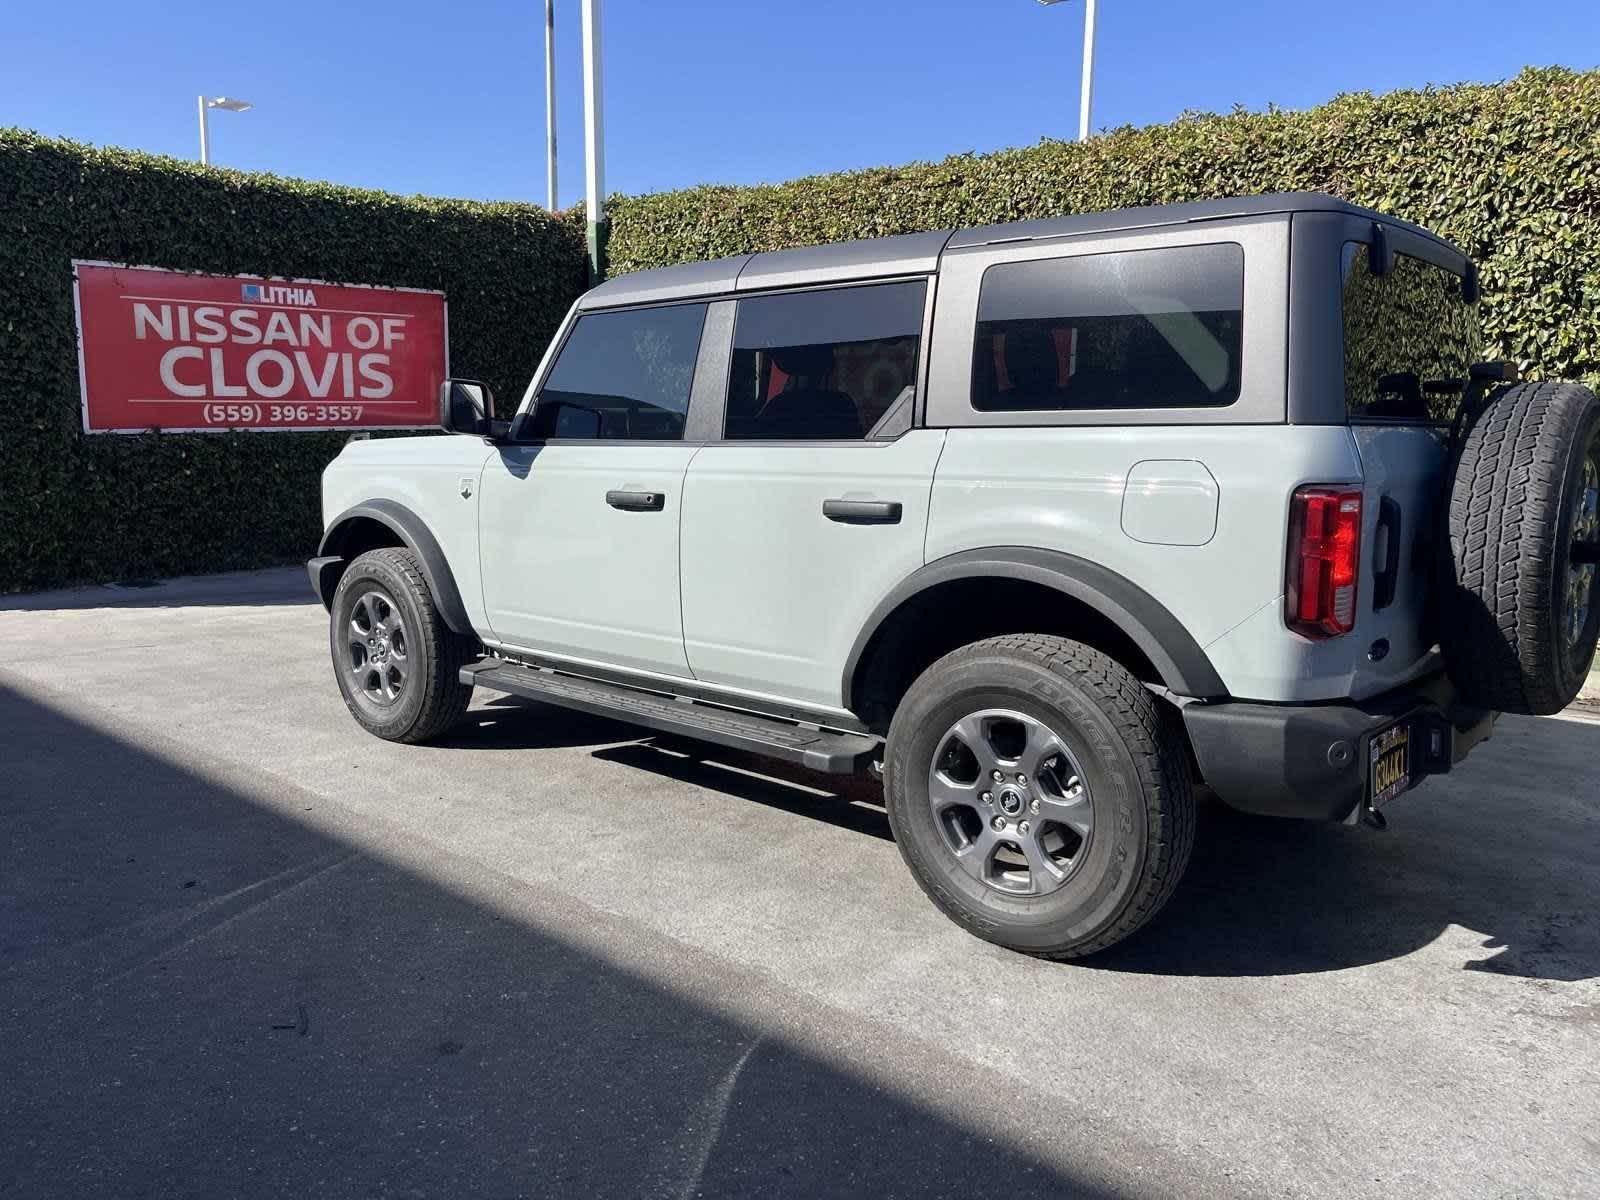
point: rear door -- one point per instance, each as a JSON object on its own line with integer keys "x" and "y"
{"x": 814, "y": 504}
{"x": 1410, "y": 336}
{"x": 579, "y": 518}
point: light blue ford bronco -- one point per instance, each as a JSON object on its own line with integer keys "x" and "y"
{"x": 1046, "y": 523}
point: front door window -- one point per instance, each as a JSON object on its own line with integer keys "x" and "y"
{"x": 622, "y": 376}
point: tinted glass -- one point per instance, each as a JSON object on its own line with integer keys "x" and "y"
{"x": 622, "y": 375}
{"x": 1140, "y": 329}
{"x": 825, "y": 364}
{"x": 1409, "y": 337}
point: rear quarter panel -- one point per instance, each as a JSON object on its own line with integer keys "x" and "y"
{"x": 1068, "y": 489}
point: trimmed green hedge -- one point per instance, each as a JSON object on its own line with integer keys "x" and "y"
{"x": 1507, "y": 171}
{"x": 1510, "y": 172}
{"x": 76, "y": 508}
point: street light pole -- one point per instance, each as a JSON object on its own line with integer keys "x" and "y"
{"x": 1086, "y": 93}
{"x": 594, "y": 142}
{"x": 1086, "y": 88}
{"x": 205, "y": 104}
{"x": 550, "y": 100}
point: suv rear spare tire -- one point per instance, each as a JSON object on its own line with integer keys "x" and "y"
{"x": 1519, "y": 606}
{"x": 1039, "y": 794}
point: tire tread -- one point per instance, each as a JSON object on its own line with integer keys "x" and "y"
{"x": 1506, "y": 498}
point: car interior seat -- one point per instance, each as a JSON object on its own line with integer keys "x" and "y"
{"x": 808, "y": 407}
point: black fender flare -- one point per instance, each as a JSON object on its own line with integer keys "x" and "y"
{"x": 413, "y": 531}
{"x": 1177, "y": 657}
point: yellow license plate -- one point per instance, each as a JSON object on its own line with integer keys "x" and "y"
{"x": 1390, "y": 772}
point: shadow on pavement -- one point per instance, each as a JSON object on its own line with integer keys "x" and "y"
{"x": 1511, "y": 852}
{"x": 274, "y": 586}
{"x": 507, "y": 723}
{"x": 510, "y": 723}
{"x": 851, "y": 803}
{"x": 206, "y": 998}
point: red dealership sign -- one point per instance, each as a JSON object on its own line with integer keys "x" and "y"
{"x": 180, "y": 351}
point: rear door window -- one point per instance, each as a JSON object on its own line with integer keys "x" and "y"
{"x": 1158, "y": 328}
{"x": 825, "y": 365}
{"x": 622, "y": 376}
{"x": 1410, "y": 337}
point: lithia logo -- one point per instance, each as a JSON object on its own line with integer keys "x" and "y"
{"x": 272, "y": 293}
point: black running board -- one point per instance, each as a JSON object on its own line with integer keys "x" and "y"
{"x": 818, "y": 749}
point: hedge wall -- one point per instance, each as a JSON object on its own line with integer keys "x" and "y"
{"x": 1510, "y": 172}
{"x": 76, "y": 508}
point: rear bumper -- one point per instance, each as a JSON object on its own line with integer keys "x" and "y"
{"x": 1311, "y": 760}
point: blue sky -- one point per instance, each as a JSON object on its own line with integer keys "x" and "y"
{"x": 449, "y": 98}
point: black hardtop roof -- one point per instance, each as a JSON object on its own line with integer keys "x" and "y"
{"x": 919, "y": 253}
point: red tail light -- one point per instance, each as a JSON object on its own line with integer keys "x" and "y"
{"x": 1324, "y": 561}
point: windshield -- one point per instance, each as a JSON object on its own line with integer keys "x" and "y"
{"x": 1409, "y": 338}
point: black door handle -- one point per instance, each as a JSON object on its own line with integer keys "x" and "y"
{"x": 637, "y": 501}
{"x": 862, "y": 512}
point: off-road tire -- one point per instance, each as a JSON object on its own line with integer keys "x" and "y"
{"x": 433, "y": 698}
{"x": 1503, "y": 600}
{"x": 1129, "y": 748}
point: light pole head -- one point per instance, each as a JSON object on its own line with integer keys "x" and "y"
{"x": 228, "y": 103}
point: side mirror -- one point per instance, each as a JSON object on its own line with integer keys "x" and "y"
{"x": 465, "y": 406}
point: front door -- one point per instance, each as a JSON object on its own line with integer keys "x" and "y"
{"x": 579, "y": 516}
{"x": 812, "y": 507}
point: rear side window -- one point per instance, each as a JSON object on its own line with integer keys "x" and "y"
{"x": 824, "y": 365}
{"x": 1409, "y": 338}
{"x": 622, "y": 375}
{"x": 1156, "y": 328}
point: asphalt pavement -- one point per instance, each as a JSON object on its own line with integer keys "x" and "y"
{"x": 248, "y": 950}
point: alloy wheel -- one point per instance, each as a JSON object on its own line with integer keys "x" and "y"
{"x": 379, "y": 658}
{"x": 1010, "y": 802}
